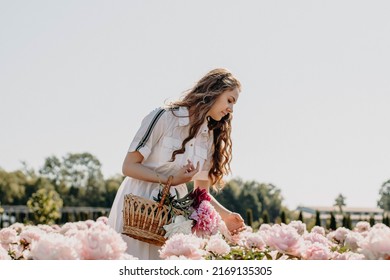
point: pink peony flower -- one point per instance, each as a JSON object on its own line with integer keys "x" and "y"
{"x": 376, "y": 245}
{"x": 217, "y": 245}
{"x": 299, "y": 226}
{"x": 45, "y": 228}
{"x": 314, "y": 237}
{"x": 284, "y": 239}
{"x": 4, "y": 254}
{"x": 54, "y": 246}
{"x": 67, "y": 227}
{"x": 347, "y": 256}
{"x": 318, "y": 229}
{"x": 265, "y": 227}
{"x": 8, "y": 236}
{"x": 188, "y": 246}
{"x": 340, "y": 234}
{"x": 316, "y": 251}
{"x": 352, "y": 240}
{"x": 17, "y": 226}
{"x": 102, "y": 219}
{"x": 207, "y": 219}
{"x": 30, "y": 234}
{"x": 101, "y": 242}
{"x": 362, "y": 226}
{"x": 250, "y": 239}
{"x": 82, "y": 225}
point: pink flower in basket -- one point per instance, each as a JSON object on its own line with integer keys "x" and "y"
{"x": 206, "y": 219}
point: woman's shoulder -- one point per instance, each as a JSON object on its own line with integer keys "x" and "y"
{"x": 165, "y": 114}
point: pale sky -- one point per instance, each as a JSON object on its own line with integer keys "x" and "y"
{"x": 312, "y": 118}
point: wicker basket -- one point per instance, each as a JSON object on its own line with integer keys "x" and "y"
{"x": 143, "y": 219}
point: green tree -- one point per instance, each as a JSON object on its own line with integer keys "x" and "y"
{"x": 238, "y": 195}
{"x": 300, "y": 216}
{"x": 340, "y": 202}
{"x": 372, "y": 220}
{"x": 332, "y": 223}
{"x": 318, "y": 219}
{"x": 347, "y": 221}
{"x": 283, "y": 217}
{"x": 111, "y": 185}
{"x": 77, "y": 178}
{"x": 12, "y": 187}
{"x": 387, "y": 220}
{"x": 270, "y": 198}
{"x": 249, "y": 217}
{"x": 228, "y": 196}
{"x": 384, "y": 192}
{"x": 265, "y": 217}
{"x": 46, "y": 206}
{"x": 249, "y": 200}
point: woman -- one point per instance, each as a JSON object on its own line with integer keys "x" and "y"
{"x": 190, "y": 139}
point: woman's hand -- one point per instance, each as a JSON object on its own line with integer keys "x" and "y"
{"x": 185, "y": 174}
{"x": 234, "y": 222}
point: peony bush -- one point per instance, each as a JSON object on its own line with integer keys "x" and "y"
{"x": 86, "y": 240}
{"x": 291, "y": 241}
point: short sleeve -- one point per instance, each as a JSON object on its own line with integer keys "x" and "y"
{"x": 151, "y": 130}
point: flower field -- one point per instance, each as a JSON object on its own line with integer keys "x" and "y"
{"x": 93, "y": 240}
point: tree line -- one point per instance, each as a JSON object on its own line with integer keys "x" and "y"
{"x": 77, "y": 180}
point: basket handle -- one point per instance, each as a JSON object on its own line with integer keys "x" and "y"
{"x": 165, "y": 192}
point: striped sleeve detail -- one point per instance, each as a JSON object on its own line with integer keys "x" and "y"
{"x": 148, "y": 132}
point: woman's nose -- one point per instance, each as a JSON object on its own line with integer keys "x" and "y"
{"x": 230, "y": 108}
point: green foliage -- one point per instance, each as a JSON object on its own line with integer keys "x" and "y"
{"x": 12, "y": 187}
{"x": 238, "y": 196}
{"x": 111, "y": 186}
{"x": 46, "y": 206}
{"x": 238, "y": 253}
{"x": 77, "y": 178}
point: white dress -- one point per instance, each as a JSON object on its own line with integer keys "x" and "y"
{"x": 161, "y": 132}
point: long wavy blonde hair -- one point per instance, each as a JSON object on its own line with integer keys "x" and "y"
{"x": 200, "y": 99}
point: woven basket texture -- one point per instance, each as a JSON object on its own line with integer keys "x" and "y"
{"x": 143, "y": 219}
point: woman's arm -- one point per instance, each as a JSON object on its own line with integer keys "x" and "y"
{"x": 133, "y": 167}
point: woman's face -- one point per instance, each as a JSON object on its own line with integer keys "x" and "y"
{"x": 224, "y": 104}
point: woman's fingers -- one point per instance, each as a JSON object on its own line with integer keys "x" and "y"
{"x": 190, "y": 168}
